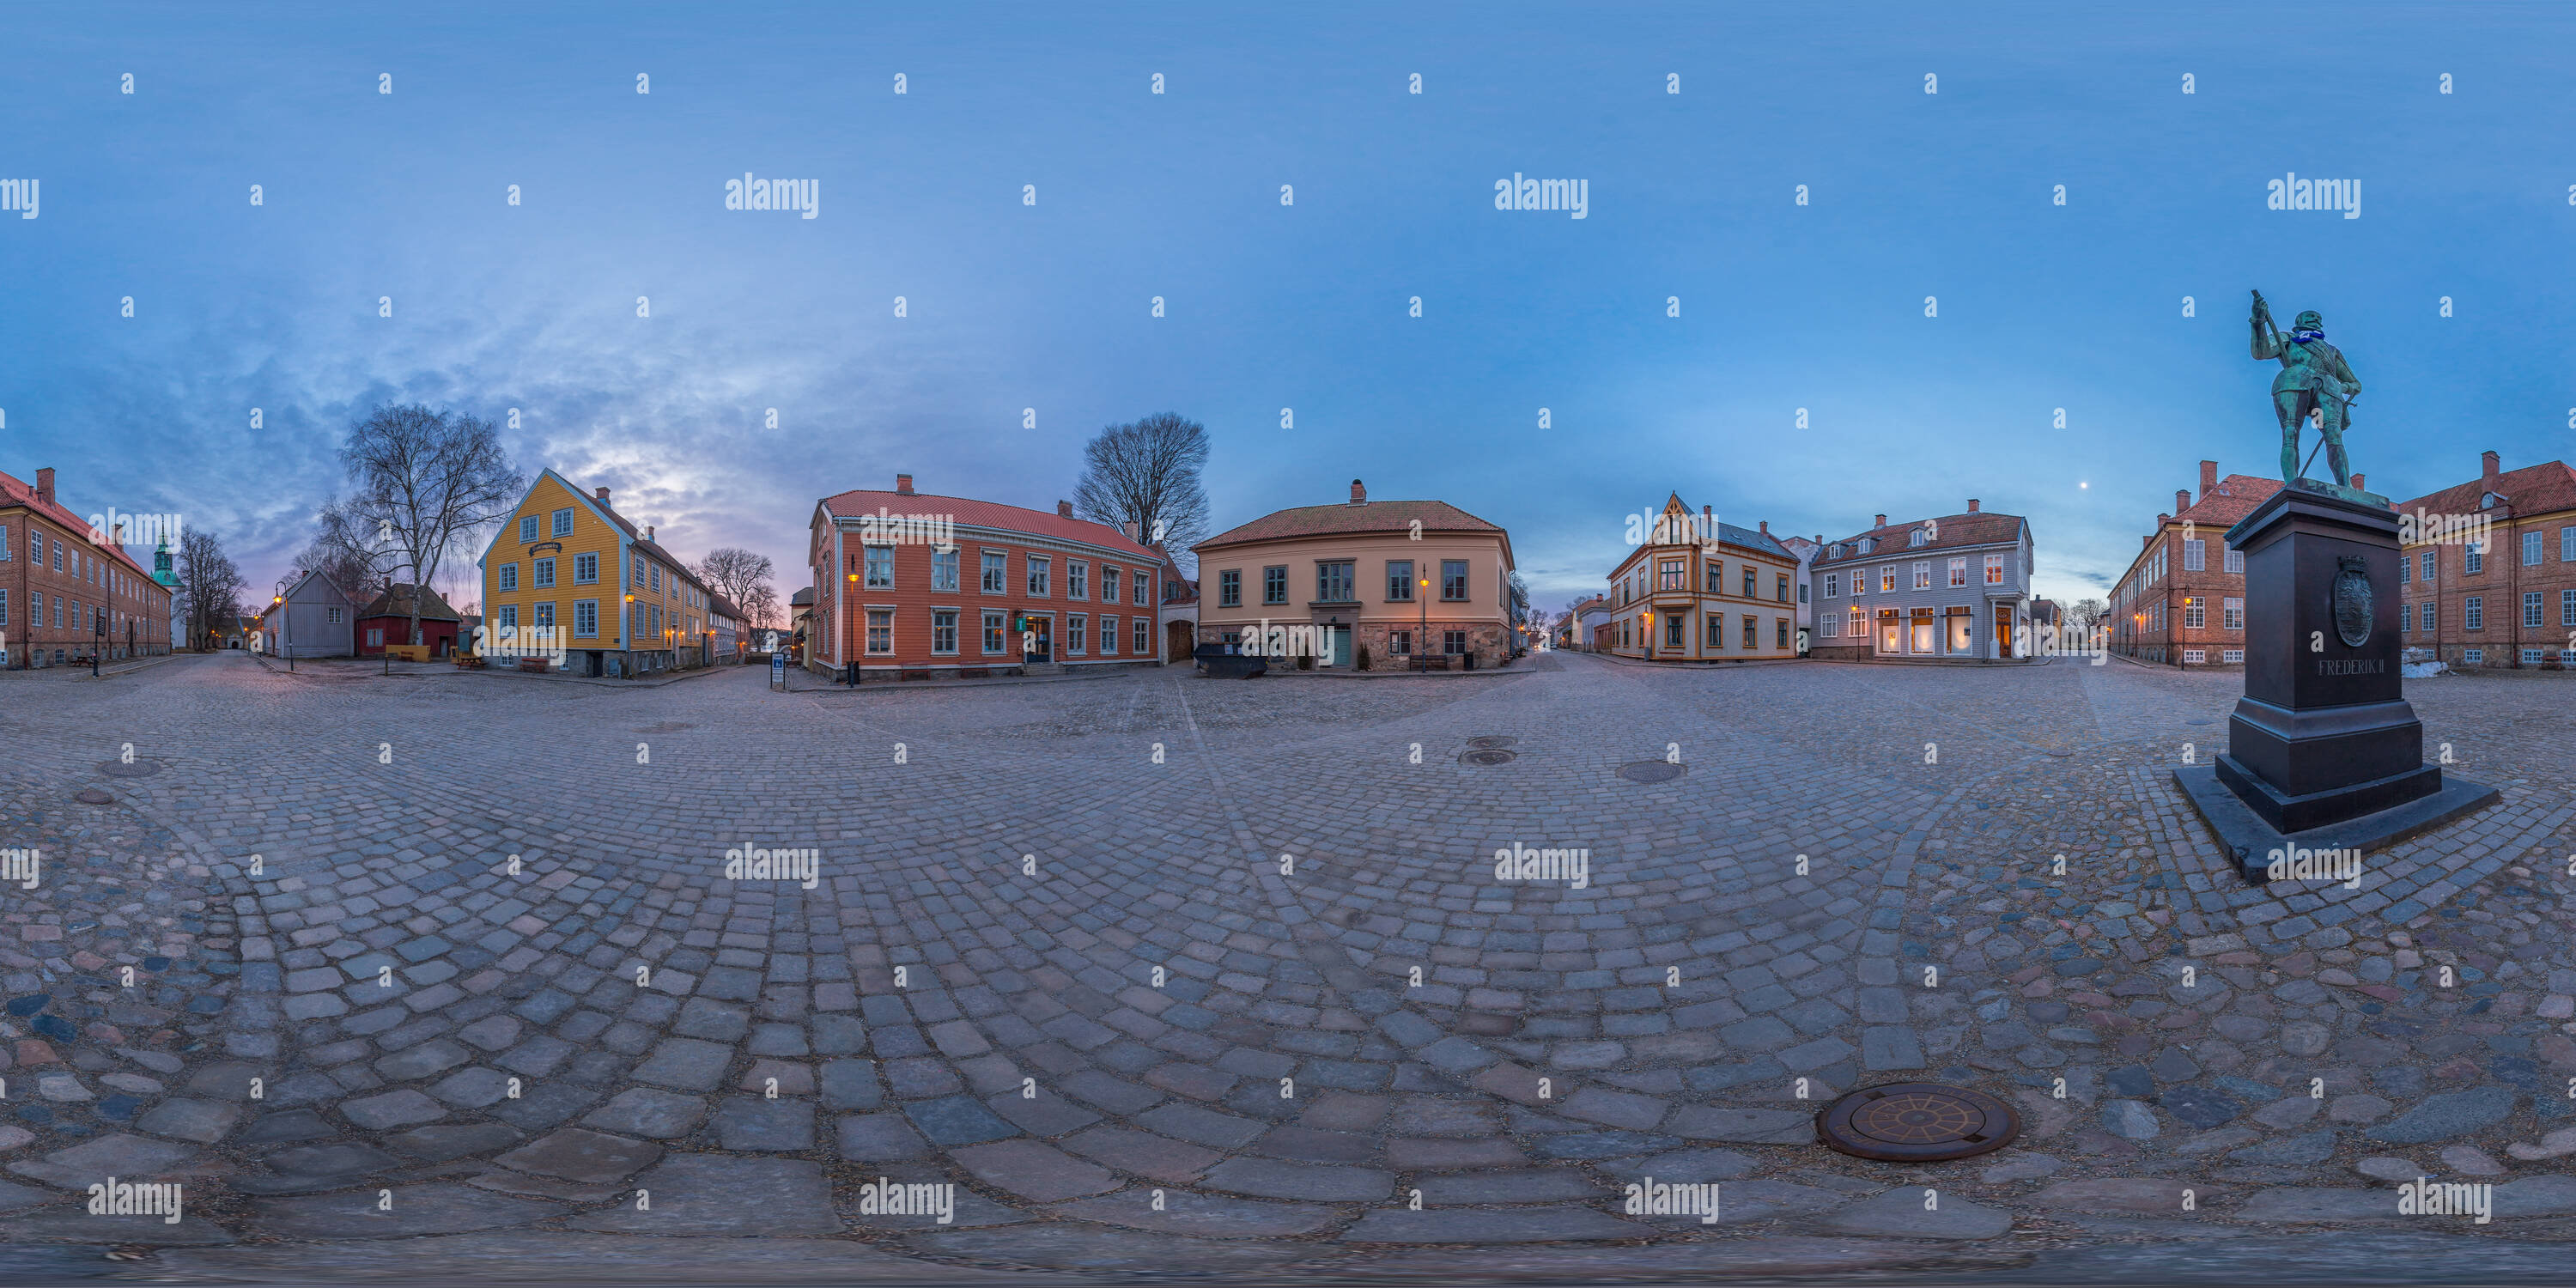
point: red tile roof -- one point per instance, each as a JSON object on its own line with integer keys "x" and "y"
{"x": 2533, "y": 489}
{"x": 14, "y": 491}
{"x": 1346, "y": 519}
{"x": 988, "y": 514}
{"x": 2224, "y": 506}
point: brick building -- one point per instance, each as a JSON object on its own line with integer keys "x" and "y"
{"x": 1012, "y": 587}
{"x": 2182, "y": 600}
{"x": 64, "y": 596}
{"x": 2508, "y": 599}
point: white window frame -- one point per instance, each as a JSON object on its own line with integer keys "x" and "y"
{"x": 955, "y": 624}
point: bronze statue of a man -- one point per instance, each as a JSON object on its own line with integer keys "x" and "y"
{"x": 2314, "y": 378}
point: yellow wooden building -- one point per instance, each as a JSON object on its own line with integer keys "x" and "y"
{"x": 570, "y": 579}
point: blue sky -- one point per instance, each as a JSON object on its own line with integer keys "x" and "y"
{"x": 1950, "y": 195}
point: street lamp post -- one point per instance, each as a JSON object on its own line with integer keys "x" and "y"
{"x": 1422, "y": 636}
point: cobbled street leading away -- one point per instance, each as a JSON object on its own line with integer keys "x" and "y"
{"x": 444, "y": 970}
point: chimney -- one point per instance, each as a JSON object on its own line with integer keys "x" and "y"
{"x": 1766, "y": 527}
{"x": 2208, "y": 478}
{"x": 903, "y": 485}
{"x": 45, "y": 480}
{"x": 1972, "y": 505}
{"x": 648, "y": 532}
{"x": 1879, "y": 522}
{"x": 1064, "y": 509}
{"x": 1359, "y": 494}
{"x": 2487, "y": 460}
{"x": 2182, "y": 499}
{"x": 602, "y": 494}
{"x": 2357, "y": 484}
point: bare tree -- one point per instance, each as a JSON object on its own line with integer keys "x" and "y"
{"x": 426, "y": 482}
{"x": 2083, "y": 614}
{"x": 346, "y": 550}
{"x": 760, "y": 607}
{"x": 1146, "y": 473}
{"x": 210, "y": 584}
{"x": 734, "y": 572}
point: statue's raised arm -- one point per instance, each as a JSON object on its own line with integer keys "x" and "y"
{"x": 2267, "y": 341}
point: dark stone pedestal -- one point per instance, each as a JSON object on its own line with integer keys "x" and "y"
{"x": 2250, "y": 841}
{"x": 2324, "y": 741}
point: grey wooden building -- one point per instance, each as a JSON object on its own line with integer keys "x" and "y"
{"x": 1955, "y": 588}
{"x": 311, "y": 618}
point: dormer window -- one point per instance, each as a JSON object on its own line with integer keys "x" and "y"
{"x": 1918, "y": 538}
{"x": 2488, "y": 501}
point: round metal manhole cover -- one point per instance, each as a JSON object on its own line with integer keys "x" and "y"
{"x": 1650, "y": 771}
{"x": 1917, "y": 1122}
{"x": 1494, "y": 756}
{"x": 1491, "y": 741}
{"x": 141, "y": 768}
{"x": 93, "y": 796}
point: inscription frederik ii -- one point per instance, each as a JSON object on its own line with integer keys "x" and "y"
{"x": 2353, "y": 666}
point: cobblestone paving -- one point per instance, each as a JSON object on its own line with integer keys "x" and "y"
{"x": 1164, "y": 971}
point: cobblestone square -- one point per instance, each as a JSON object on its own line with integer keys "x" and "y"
{"x": 1157, "y": 969}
